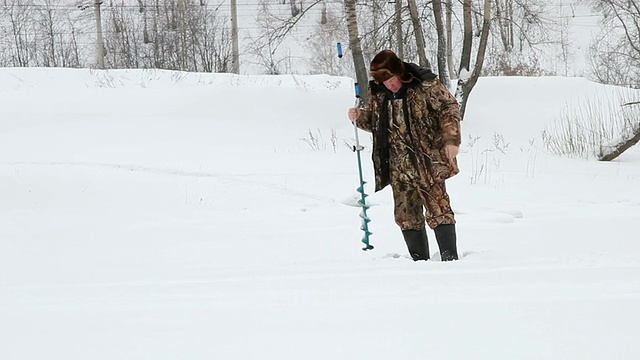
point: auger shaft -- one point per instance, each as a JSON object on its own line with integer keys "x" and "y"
{"x": 364, "y": 218}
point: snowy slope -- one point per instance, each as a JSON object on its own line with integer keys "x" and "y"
{"x": 162, "y": 215}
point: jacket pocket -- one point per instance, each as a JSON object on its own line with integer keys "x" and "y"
{"x": 440, "y": 167}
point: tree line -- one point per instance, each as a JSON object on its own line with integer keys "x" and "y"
{"x": 165, "y": 34}
{"x": 458, "y": 39}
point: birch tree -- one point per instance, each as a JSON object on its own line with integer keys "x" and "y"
{"x": 354, "y": 45}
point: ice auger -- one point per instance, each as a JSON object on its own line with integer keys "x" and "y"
{"x": 357, "y": 148}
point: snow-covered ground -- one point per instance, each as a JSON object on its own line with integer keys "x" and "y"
{"x": 161, "y": 215}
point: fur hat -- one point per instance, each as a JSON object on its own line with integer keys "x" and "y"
{"x": 385, "y": 65}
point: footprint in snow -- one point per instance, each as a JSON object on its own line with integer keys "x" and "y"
{"x": 434, "y": 257}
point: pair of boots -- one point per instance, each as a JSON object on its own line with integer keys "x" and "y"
{"x": 418, "y": 244}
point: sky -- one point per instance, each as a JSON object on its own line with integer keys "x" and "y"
{"x": 151, "y": 214}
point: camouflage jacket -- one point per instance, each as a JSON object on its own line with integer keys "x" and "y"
{"x": 409, "y": 133}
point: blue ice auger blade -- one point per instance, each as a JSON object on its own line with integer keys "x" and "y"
{"x": 364, "y": 224}
{"x": 365, "y": 240}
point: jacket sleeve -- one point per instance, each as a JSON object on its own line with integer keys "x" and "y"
{"x": 365, "y": 121}
{"x": 446, "y": 105}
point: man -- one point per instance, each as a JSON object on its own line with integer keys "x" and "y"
{"x": 415, "y": 123}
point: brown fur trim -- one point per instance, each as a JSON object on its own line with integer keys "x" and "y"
{"x": 385, "y": 65}
{"x": 382, "y": 75}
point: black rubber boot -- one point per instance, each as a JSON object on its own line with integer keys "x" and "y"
{"x": 446, "y": 238}
{"x": 417, "y": 243}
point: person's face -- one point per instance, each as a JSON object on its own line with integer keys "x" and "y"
{"x": 393, "y": 84}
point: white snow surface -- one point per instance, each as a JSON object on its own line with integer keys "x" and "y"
{"x": 165, "y": 215}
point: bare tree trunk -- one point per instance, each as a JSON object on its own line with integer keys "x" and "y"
{"x": 48, "y": 15}
{"x": 467, "y": 81}
{"x": 73, "y": 58}
{"x": 417, "y": 27}
{"x": 442, "y": 43}
{"x": 18, "y": 20}
{"x": 624, "y": 145}
{"x": 449, "y": 11}
{"x": 482, "y": 47}
{"x": 399, "y": 37}
{"x": 354, "y": 44}
{"x": 620, "y": 148}
{"x": 235, "y": 58}
{"x": 467, "y": 40}
{"x": 511, "y": 30}
{"x": 506, "y": 18}
{"x": 375, "y": 21}
{"x": 100, "y": 43}
{"x": 158, "y": 40}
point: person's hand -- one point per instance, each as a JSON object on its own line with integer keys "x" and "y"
{"x": 451, "y": 151}
{"x": 354, "y": 113}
